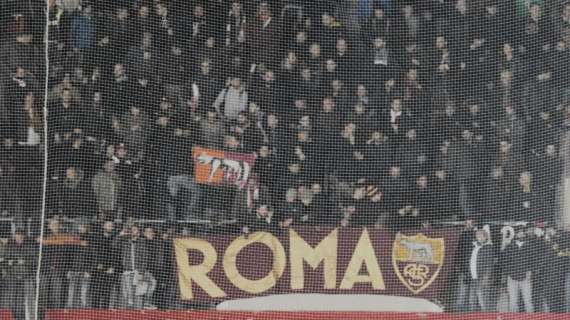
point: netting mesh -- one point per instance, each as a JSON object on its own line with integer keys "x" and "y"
{"x": 311, "y": 156}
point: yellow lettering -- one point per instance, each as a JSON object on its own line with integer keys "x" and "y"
{"x": 301, "y": 251}
{"x": 197, "y": 273}
{"x": 364, "y": 253}
{"x": 261, "y": 285}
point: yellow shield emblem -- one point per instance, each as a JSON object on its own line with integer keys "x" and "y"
{"x": 417, "y": 260}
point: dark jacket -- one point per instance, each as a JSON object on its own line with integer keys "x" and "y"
{"x": 20, "y": 260}
{"x": 515, "y": 260}
{"x": 134, "y": 255}
{"x": 82, "y": 255}
{"x": 106, "y": 252}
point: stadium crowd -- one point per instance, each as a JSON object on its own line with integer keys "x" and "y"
{"x": 405, "y": 114}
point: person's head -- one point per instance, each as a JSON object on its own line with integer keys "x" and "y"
{"x": 97, "y": 97}
{"x": 411, "y": 134}
{"x": 396, "y": 104}
{"x": 330, "y": 65}
{"x": 535, "y": 11}
{"x": 497, "y": 172}
{"x": 122, "y": 13}
{"x": 377, "y": 136}
{"x": 326, "y": 19}
{"x": 359, "y": 108}
{"x": 135, "y": 111}
{"x": 440, "y": 42}
{"x": 134, "y": 231}
{"x": 231, "y": 142}
{"x": 19, "y": 237}
{"x": 551, "y": 150}
{"x": 108, "y": 226}
{"x": 504, "y": 146}
{"x": 422, "y": 181}
{"x": 291, "y": 195}
{"x": 361, "y": 90}
{"x": 305, "y": 122}
{"x": 235, "y": 82}
{"x": 272, "y": 120}
{"x": 268, "y": 76}
{"x": 306, "y": 74}
{"x": 236, "y": 8}
{"x": 525, "y": 178}
{"x": 242, "y": 118}
{"x": 301, "y": 37}
{"x": 349, "y": 128}
{"x": 205, "y": 67}
{"x": 467, "y": 135}
{"x": 20, "y": 72}
{"x": 412, "y": 74}
{"x": 303, "y": 135}
{"x": 316, "y": 188}
{"x": 395, "y": 171}
{"x": 379, "y": 42}
{"x": 264, "y": 151}
{"x": 481, "y": 236}
{"x": 449, "y": 109}
{"x": 379, "y": 13}
{"x": 441, "y": 174}
{"x": 341, "y": 45}
{"x": 149, "y": 233}
{"x": 143, "y": 11}
{"x": 82, "y": 228}
{"x": 71, "y": 173}
{"x": 491, "y": 8}
{"x": 300, "y": 103}
{"x": 198, "y": 10}
{"x": 408, "y": 10}
{"x": 328, "y": 104}
{"x": 461, "y": 5}
{"x": 315, "y": 50}
{"x": 119, "y": 70}
{"x": 54, "y": 226}
{"x": 66, "y": 96}
{"x": 147, "y": 39}
{"x": 474, "y": 108}
{"x": 263, "y": 210}
{"x": 264, "y": 11}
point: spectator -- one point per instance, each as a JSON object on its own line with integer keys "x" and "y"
{"x": 184, "y": 193}
{"x": 517, "y": 259}
{"x": 80, "y": 273}
{"x": 481, "y": 267}
{"x": 75, "y": 195}
{"x": 106, "y": 185}
{"x": 232, "y": 100}
{"x": 137, "y": 284}
{"x": 21, "y": 263}
{"x": 107, "y": 266}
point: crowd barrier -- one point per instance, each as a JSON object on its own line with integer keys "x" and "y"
{"x": 219, "y": 315}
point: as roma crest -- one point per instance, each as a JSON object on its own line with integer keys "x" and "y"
{"x": 417, "y": 260}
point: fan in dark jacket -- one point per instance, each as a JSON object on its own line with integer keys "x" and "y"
{"x": 80, "y": 272}
{"x": 107, "y": 265}
{"x": 516, "y": 258}
{"x": 20, "y": 260}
